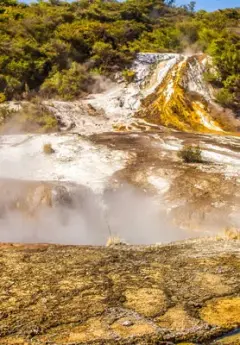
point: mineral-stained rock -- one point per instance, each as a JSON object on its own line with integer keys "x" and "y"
{"x": 146, "y": 301}
{"x": 52, "y": 294}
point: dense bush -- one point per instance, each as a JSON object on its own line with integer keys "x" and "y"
{"x": 54, "y": 46}
{"x": 226, "y": 57}
{"x": 68, "y": 83}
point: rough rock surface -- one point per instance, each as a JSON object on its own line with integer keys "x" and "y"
{"x": 183, "y": 292}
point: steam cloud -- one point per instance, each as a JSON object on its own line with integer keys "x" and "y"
{"x": 90, "y": 219}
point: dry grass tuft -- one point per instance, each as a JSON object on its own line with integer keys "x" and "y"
{"x": 114, "y": 241}
{"x": 229, "y": 234}
{"x": 47, "y": 149}
{"x": 232, "y": 234}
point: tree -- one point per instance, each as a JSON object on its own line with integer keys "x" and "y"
{"x": 192, "y": 6}
{"x": 8, "y": 3}
{"x": 171, "y": 3}
{"x": 41, "y": 43}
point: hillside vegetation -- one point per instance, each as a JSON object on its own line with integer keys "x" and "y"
{"x": 56, "y": 48}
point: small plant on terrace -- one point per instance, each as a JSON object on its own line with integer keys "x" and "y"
{"x": 191, "y": 154}
{"x": 47, "y": 149}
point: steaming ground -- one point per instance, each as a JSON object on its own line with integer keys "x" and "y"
{"x": 113, "y": 173}
{"x": 126, "y": 213}
{"x": 129, "y": 185}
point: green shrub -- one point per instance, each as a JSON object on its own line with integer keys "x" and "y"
{"x": 67, "y": 84}
{"x": 35, "y": 116}
{"x": 129, "y": 75}
{"x": 210, "y": 77}
{"x": 189, "y": 30}
{"x": 191, "y": 154}
{"x": 224, "y": 97}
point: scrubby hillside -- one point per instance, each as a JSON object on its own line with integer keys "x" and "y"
{"x": 57, "y": 48}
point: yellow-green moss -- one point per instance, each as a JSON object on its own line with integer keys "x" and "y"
{"x": 146, "y": 301}
{"x": 224, "y": 312}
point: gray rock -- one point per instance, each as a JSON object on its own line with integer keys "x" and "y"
{"x": 127, "y": 323}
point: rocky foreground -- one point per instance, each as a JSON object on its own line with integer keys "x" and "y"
{"x": 180, "y": 293}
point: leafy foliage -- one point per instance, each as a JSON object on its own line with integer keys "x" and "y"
{"x": 226, "y": 56}
{"x": 54, "y": 46}
{"x": 224, "y": 97}
{"x": 68, "y": 83}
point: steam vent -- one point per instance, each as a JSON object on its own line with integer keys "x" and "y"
{"x": 119, "y": 174}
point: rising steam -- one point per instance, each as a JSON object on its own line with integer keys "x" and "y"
{"x": 87, "y": 218}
